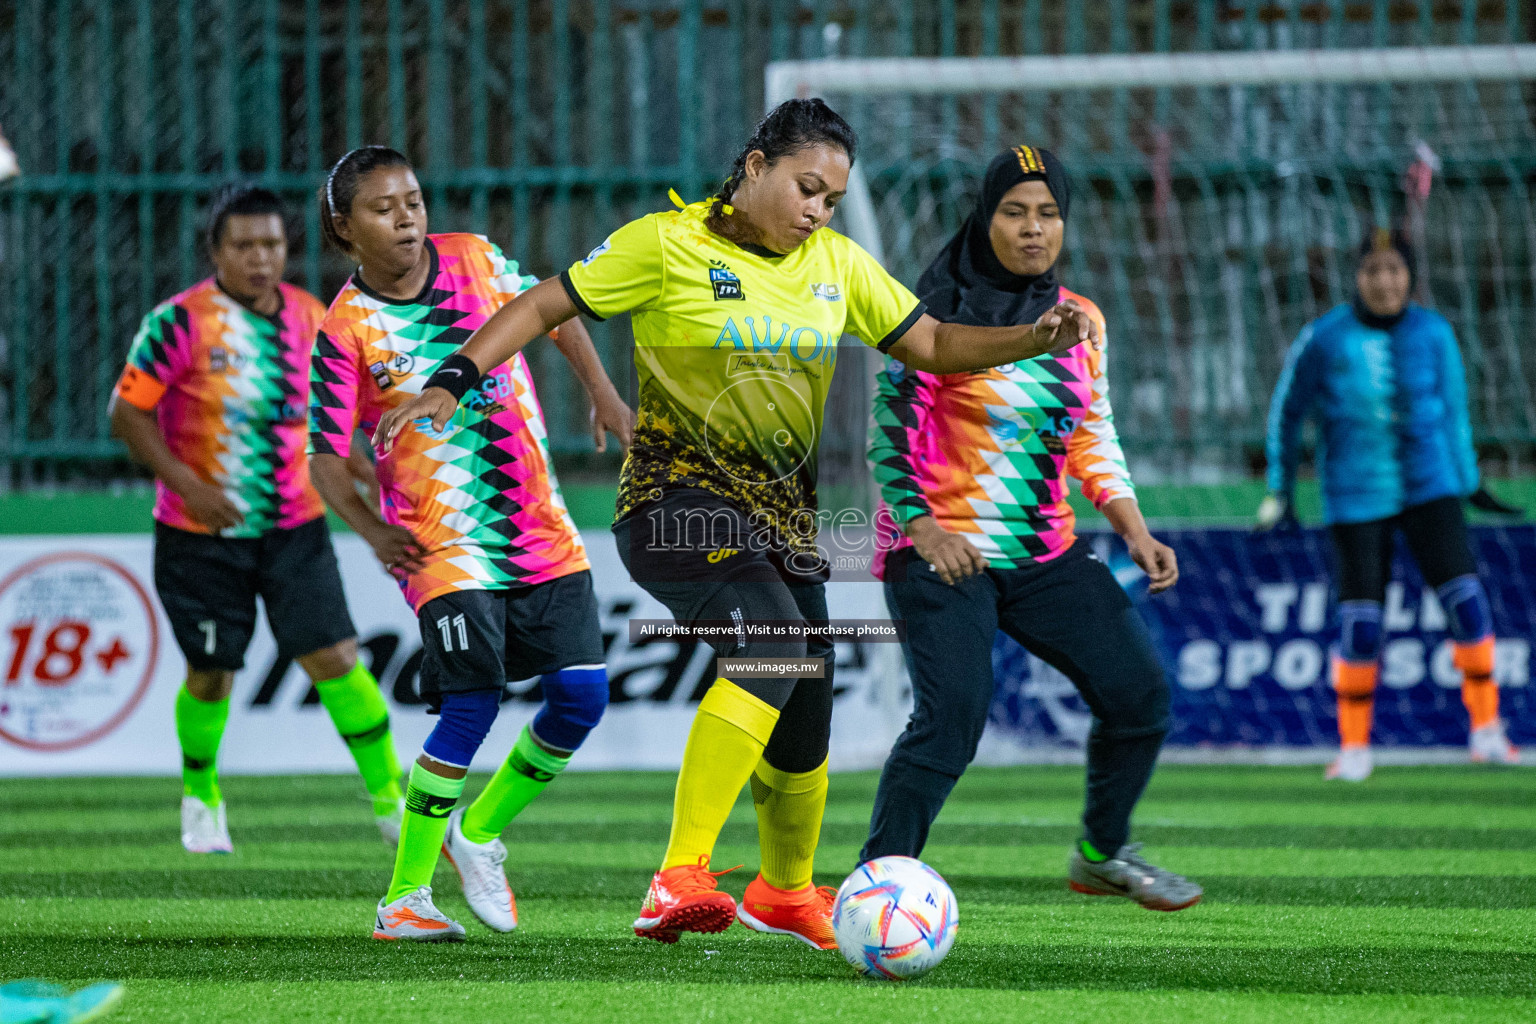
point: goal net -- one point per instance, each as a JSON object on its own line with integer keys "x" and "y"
{"x": 1217, "y": 203}
{"x": 1217, "y": 200}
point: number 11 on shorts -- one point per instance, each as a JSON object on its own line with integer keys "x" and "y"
{"x": 457, "y": 622}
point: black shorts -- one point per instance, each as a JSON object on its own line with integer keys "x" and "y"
{"x": 480, "y": 639}
{"x": 689, "y": 543}
{"x": 209, "y": 585}
{"x": 695, "y": 553}
{"x": 1436, "y": 534}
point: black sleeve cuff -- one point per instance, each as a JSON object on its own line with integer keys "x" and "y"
{"x": 580, "y": 303}
{"x": 902, "y": 328}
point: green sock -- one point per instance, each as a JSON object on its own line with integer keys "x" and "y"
{"x": 521, "y": 777}
{"x": 358, "y": 710}
{"x": 1090, "y": 853}
{"x": 428, "y": 801}
{"x": 199, "y": 727}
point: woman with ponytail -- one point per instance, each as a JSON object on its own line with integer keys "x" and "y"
{"x": 472, "y": 524}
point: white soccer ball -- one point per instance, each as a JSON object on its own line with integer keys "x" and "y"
{"x": 895, "y": 918}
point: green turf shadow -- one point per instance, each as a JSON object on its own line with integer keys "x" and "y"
{"x": 1469, "y": 892}
{"x": 1519, "y": 793}
{"x": 1335, "y": 970}
{"x": 1480, "y": 892}
{"x": 1328, "y": 837}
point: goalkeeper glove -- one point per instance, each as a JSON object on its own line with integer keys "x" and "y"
{"x": 1275, "y": 513}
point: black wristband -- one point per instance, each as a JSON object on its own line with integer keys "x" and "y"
{"x": 457, "y": 374}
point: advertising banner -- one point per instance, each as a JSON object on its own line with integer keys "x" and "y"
{"x": 89, "y": 669}
{"x": 89, "y": 672}
{"x": 1245, "y": 637}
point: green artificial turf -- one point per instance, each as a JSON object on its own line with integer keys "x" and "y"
{"x": 1409, "y": 898}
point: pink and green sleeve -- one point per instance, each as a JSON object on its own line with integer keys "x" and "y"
{"x": 902, "y": 403}
{"x": 158, "y": 356}
{"x": 1094, "y": 455}
{"x": 334, "y": 405}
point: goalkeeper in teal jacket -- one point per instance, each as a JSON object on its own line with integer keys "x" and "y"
{"x": 1383, "y": 378}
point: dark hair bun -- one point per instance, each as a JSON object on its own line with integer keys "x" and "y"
{"x": 788, "y": 128}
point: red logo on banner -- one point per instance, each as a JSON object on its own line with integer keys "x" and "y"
{"x": 78, "y": 644}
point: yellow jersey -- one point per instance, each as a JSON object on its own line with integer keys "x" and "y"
{"x": 735, "y": 349}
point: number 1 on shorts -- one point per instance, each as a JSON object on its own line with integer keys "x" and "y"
{"x": 210, "y": 634}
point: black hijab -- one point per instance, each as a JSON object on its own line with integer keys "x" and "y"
{"x": 966, "y": 283}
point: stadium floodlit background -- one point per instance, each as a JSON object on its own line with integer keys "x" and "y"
{"x": 1209, "y": 222}
{"x": 1209, "y": 233}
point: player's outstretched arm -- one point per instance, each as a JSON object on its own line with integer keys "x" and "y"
{"x": 536, "y": 311}
{"x": 937, "y": 347}
{"x": 139, "y": 429}
{"x": 609, "y": 411}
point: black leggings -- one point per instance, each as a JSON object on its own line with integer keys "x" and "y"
{"x": 1436, "y": 534}
{"x": 747, "y": 585}
{"x": 1071, "y": 613}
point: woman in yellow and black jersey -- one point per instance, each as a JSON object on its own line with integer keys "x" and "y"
{"x": 737, "y": 305}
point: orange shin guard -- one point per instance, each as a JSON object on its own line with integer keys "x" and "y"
{"x": 1478, "y": 691}
{"x": 1355, "y": 684}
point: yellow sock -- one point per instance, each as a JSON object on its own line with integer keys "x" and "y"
{"x": 789, "y": 808}
{"x": 724, "y": 745}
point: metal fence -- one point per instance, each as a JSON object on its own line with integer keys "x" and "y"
{"x": 1239, "y": 224}
{"x": 543, "y": 124}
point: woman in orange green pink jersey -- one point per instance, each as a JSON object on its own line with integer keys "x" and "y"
{"x": 738, "y": 304}
{"x": 972, "y": 467}
{"x": 472, "y": 524}
{"x": 213, "y": 401}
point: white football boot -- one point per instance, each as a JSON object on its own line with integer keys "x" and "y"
{"x": 1489, "y": 745}
{"x": 1352, "y": 765}
{"x": 480, "y": 871}
{"x": 203, "y": 828}
{"x": 389, "y": 824}
{"x": 413, "y": 918}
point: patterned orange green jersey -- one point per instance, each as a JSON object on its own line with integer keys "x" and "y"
{"x": 481, "y": 496}
{"x": 735, "y": 349}
{"x": 229, "y": 388}
{"x": 984, "y": 453}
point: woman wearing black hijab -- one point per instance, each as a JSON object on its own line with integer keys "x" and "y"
{"x": 972, "y": 469}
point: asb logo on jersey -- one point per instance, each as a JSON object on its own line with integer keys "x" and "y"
{"x": 725, "y": 283}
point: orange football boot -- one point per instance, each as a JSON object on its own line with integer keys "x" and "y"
{"x": 685, "y": 899}
{"x": 804, "y": 913}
